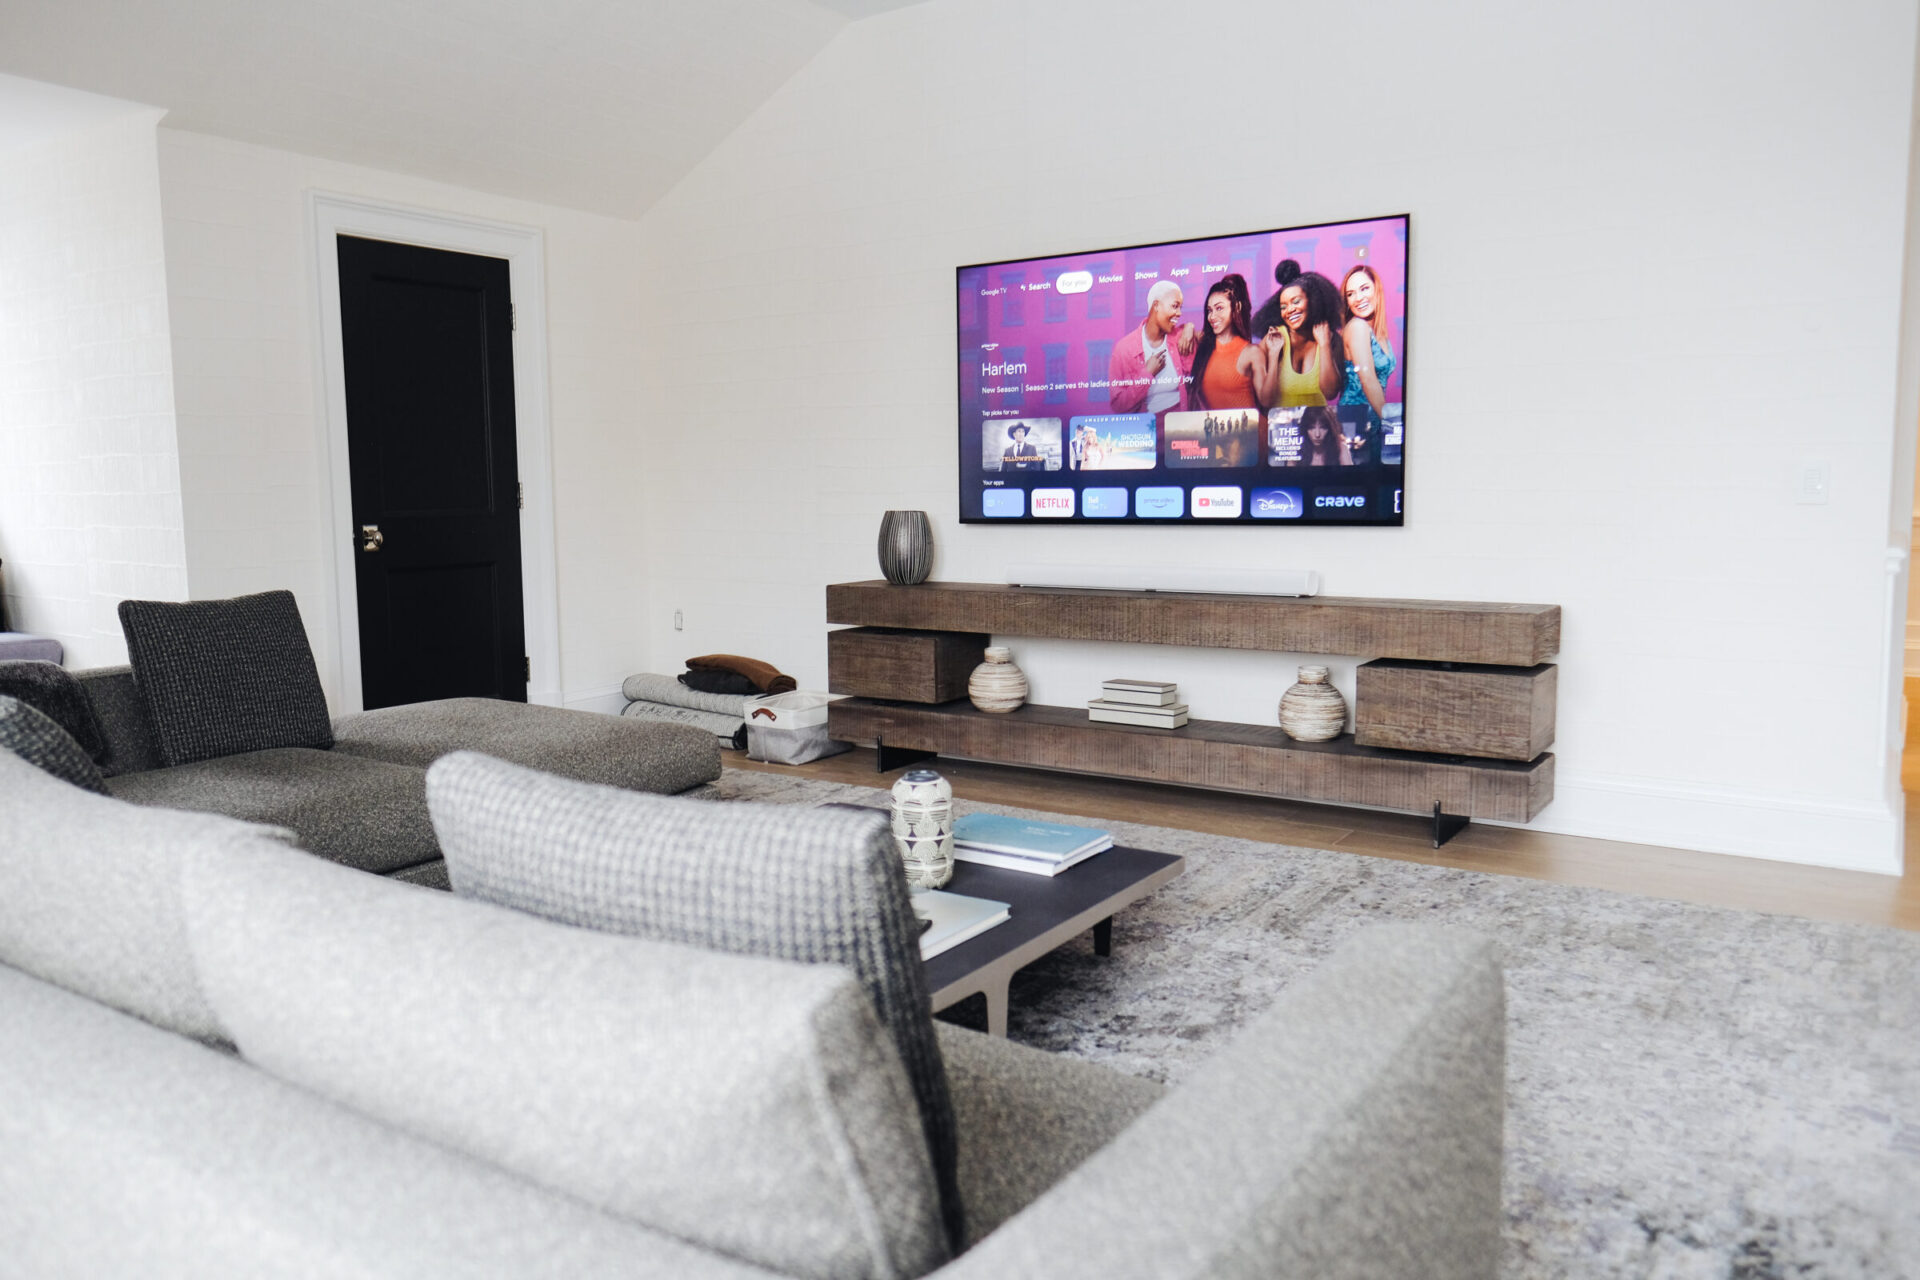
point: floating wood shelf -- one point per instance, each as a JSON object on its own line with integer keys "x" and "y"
{"x": 1518, "y": 635}
{"x": 1207, "y": 753}
{"x": 1462, "y": 677}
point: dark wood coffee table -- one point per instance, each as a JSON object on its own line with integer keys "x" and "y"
{"x": 1048, "y": 911}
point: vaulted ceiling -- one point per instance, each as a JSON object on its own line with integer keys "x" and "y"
{"x": 593, "y": 104}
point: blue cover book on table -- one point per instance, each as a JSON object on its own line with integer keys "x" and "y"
{"x": 998, "y": 833}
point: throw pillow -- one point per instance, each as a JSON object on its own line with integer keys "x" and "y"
{"x": 52, "y": 690}
{"x": 815, "y": 885}
{"x": 752, "y": 1106}
{"x": 90, "y": 895}
{"x": 224, "y": 676}
{"x": 33, "y": 737}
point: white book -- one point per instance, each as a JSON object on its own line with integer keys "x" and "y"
{"x": 1145, "y": 686}
{"x": 1140, "y": 697}
{"x": 956, "y": 918}
{"x": 1152, "y": 717}
{"x": 1032, "y": 866}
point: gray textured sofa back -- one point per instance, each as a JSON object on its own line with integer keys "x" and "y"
{"x": 131, "y": 747}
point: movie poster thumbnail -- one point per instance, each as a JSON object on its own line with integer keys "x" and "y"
{"x": 1020, "y": 444}
{"x": 1214, "y": 438}
{"x": 1111, "y": 442}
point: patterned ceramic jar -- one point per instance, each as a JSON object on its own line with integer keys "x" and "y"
{"x": 923, "y": 827}
{"x": 997, "y": 685}
{"x": 1313, "y": 710}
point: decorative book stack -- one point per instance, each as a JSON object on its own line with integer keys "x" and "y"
{"x": 1022, "y": 844}
{"x": 1153, "y": 703}
{"x": 954, "y": 918}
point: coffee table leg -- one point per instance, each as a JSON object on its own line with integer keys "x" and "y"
{"x": 996, "y": 994}
{"x": 1103, "y": 937}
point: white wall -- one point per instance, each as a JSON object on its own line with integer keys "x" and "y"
{"x": 90, "y": 509}
{"x": 240, "y": 274}
{"x": 1657, "y": 256}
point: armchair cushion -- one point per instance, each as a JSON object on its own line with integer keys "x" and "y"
{"x": 33, "y": 737}
{"x": 224, "y": 676}
{"x": 821, "y": 886}
{"x": 752, "y": 1106}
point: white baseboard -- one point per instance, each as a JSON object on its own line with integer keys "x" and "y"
{"x": 1753, "y": 824}
{"x": 610, "y": 700}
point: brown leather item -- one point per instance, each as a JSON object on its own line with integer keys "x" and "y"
{"x": 765, "y": 676}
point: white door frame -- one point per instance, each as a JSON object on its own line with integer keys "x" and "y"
{"x": 524, "y": 248}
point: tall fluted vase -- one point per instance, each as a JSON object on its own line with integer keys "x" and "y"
{"x": 906, "y": 547}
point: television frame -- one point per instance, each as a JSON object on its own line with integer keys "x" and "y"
{"x": 966, "y": 445}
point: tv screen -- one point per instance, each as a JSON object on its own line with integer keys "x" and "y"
{"x": 1242, "y": 379}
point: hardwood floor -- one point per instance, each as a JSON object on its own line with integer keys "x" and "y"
{"x": 1680, "y": 874}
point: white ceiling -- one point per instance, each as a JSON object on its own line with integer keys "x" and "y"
{"x": 594, "y": 104}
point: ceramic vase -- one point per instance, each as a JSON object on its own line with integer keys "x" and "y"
{"x": 923, "y": 827}
{"x": 1313, "y": 710}
{"x": 997, "y": 685}
{"x": 906, "y": 547}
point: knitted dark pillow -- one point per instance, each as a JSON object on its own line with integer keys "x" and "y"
{"x": 220, "y": 677}
{"x": 39, "y": 741}
{"x": 818, "y": 886}
{"x": 51, "y": 689}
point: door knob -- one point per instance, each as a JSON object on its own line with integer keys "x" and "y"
{"x": 371, "y": 538}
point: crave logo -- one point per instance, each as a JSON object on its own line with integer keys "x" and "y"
{"x": 1340, "y": 502}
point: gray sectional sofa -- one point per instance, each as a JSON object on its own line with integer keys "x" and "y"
{"x": 362, "y": 802}
{"x": 221, "y": 1055}
{"x": 643, "y": 1036}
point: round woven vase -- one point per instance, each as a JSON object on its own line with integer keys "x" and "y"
{"x": 906, "y": 547}
{"x": 923, "y": 827}
{"x": 1313, "y": 710}
{"x": 997, "y": 685}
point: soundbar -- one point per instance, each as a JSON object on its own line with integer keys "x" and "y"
{"x": 1247, "y": 582}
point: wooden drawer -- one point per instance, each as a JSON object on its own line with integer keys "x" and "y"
{"x": 1464, "y": 709}
{"x": 903, "y": 666}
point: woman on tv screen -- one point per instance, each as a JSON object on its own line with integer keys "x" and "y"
{"x": 1223, "y": 364}
{"x": 1306, "y": 361}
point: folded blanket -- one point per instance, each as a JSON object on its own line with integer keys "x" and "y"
{"x": 670, "y": 692}
{"x": 714, "y": 680}
{"x": 764, "y": 675}
{"x": 731, "y": 730}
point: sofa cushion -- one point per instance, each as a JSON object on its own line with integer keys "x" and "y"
{"x": 52, "y": 690}
{"x": 122, "y": 717}
{"x": 754, "y": 1106}
{"x": 223, "y": 676}
{"x": 36, "y": 739}
{"x": 365, "y": 813}
{"x": 1027, "y": 1118}
{"x": 90, "y": 897}
{"x": 586, "y": 745}
{"x": 816, "y": 885}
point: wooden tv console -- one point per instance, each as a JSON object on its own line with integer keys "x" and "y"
{"x": 1452, "y": 713}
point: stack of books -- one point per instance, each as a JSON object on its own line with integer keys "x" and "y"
{"x": 950, "y": 919}
{"x": 1021, "y": 844}
{"x": 1153, "y": 703}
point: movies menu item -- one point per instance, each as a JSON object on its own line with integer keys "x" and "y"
{"x": 1111, "y": 442}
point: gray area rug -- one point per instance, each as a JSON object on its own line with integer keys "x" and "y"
{"x": 1692, "y": 1091}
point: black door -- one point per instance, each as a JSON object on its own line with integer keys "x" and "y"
{"x": 428, "y": 340}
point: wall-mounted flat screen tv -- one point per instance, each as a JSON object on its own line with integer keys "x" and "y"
{"x": 1244, "y": 379}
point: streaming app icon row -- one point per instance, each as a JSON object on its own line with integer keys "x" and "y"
{"x": 1170, "y": 502}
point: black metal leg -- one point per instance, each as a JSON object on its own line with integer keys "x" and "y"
{"x": 1446, "y": 825}
{"x": 1103, "y": 937}
{"x": 891, "y": 758}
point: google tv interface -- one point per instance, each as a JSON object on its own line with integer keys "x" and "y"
{"x": 1249, "y": 379}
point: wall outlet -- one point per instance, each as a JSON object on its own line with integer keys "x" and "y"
{"x": 679, "y": 622}
{"x": 1812, "y": 484}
